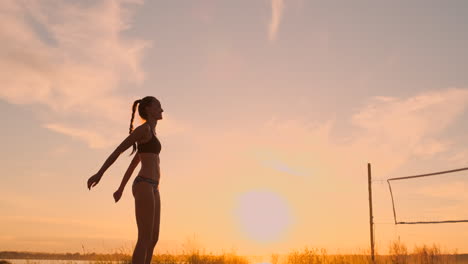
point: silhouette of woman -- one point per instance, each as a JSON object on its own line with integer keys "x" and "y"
{"x": 145, "y": 186}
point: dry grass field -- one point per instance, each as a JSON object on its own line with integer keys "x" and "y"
{"x": 397, "y": 253}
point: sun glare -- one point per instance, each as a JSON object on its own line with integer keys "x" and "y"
{"x": 263, "y": 215}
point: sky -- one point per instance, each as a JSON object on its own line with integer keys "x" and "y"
{"x": 272, "y": 110}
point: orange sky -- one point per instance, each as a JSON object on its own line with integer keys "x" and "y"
{"x": 272, "y": 112}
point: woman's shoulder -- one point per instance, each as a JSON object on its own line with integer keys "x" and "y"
{"x": 143, "y": 129}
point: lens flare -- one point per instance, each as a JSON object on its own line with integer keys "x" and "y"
{"x": 263, "y": 215}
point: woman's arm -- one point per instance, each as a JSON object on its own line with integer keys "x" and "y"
{"x": 128, "y": 173}
{"x": 118, "y": 194}
{"x": 134, "y": 137}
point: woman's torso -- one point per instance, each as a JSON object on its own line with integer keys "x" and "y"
{"x": 149, "y": 166}
{"x": 148, "y": 150}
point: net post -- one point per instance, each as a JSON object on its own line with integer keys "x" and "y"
{"x": 371, "y": 216}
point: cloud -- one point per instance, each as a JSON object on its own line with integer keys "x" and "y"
{"x": 94, "y": 139}
{"x": 277, "y": 7}
{"x": 395, "y": 129}
{"x": 72, "y": 58}
{"x": 387, "y": 130}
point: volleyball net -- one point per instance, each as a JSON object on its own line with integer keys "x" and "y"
{"x": 432, "y": 198}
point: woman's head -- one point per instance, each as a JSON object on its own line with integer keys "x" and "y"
{"x": 148, "y": 108}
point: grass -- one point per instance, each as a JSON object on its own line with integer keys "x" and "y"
{"x": 398, "y": 253}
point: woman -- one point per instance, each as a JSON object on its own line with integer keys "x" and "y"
{"x": 145, "y": 186}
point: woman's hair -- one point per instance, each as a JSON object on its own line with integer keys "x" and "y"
{"x": 142, "y": 104}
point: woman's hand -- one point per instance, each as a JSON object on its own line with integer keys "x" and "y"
{"x": 118, "y": 194}
{"x": 94, "y": 180}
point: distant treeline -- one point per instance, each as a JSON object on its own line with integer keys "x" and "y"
{"x": 61, "y": 256}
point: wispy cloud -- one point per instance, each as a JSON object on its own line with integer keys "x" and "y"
{"x": 72, "y": 58}
{"x": 277, "y": 7}
{"x": 399, "y": 128}
{"x": 387, "y": 130}
{"x": 94, "y": 139}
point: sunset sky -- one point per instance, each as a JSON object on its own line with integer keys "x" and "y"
{"x": 272, "y": 110}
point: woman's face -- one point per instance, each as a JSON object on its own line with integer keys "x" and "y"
{"x": 155, "y": 110}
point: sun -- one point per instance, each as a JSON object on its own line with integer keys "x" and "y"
{"x": 263, "y": 215}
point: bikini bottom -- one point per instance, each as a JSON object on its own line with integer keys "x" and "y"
{"x": 148, "y": 180}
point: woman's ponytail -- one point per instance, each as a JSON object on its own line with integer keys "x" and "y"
{"x": 131, "y": 123}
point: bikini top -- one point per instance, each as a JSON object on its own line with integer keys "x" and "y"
{"x": 152, "y": 146}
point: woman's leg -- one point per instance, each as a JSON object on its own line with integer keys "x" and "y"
{"x": 144, "y": 212}
{"x": 156, "y": 221}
